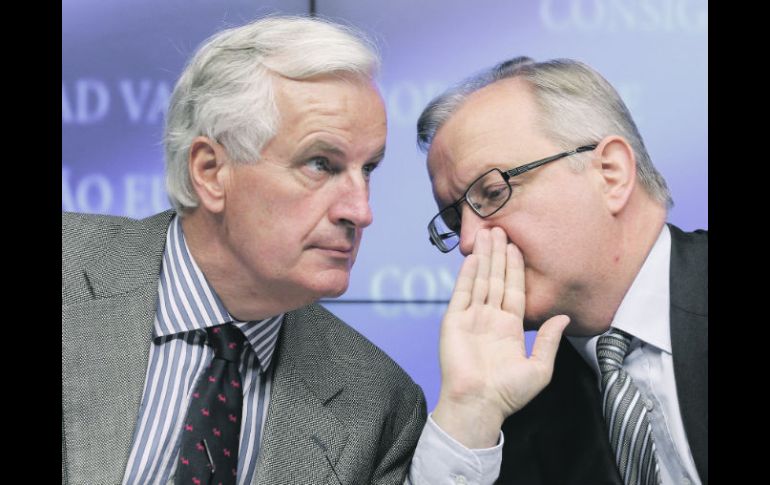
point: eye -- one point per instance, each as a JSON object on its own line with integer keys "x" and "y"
{"x": 495, "y": 192}
{"x": 320, "y": 164}
{"x": 368, "y": 169}
{"x": 319, "y": 168}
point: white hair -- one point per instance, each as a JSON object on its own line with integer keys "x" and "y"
{"x": 577, "y": 107}
{"x": 226, "y": 90}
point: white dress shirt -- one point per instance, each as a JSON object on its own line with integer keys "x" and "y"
{"x": 441, "y": 460}
{"x": 644, "y": 313}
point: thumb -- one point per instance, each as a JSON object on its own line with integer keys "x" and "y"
{"x": 547, "y": 340}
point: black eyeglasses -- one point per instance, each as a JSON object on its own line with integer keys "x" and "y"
{"x": 485, "y": 195}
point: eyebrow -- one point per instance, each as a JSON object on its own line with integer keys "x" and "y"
{"x": 378, "y": 156}
{"x": 323, "y": 146}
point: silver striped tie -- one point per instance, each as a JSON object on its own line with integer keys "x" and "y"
{"x": 624, "y": 412}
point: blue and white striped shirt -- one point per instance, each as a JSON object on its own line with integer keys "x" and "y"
{"x": 178, "y": 355}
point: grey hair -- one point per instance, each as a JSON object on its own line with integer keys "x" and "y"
{"x": 226, "y": 90}
{"x": 577, "y": 107}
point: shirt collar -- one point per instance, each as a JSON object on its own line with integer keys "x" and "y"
{"x": 186, "y": 301}
{"x": 644, "y": 310}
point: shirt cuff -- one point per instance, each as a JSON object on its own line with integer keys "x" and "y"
{"x": 440, "y": 459}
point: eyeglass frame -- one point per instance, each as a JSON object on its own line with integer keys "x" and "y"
{"x": 507, "y": 175}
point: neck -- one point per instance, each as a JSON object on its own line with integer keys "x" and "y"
{"x": 633, "y": 234}
{"x": 243, "y": 298}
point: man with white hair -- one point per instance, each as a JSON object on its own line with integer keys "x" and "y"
{"x": 545, "y": 157}
{"x": 192, "y": 349}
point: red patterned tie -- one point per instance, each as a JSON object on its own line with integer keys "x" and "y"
{"x": 210, "y": 437}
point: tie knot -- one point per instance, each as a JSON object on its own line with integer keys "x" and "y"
{"x": 227, "y": 341}
{"x": 611, "y": 349}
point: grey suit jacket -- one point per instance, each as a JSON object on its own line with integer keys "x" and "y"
{"x": 341, "y": 411}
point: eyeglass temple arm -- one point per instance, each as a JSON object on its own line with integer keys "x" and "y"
{"x": 442, "y": 236}
{"x": 529, "y": 166}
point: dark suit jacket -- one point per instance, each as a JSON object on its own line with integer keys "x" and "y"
{"x": 560, "y": 437}
{"x": 341, "y": 411}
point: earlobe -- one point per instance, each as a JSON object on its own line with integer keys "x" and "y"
{"x": 207, "y": 164}
{"x": 618, "y": 169}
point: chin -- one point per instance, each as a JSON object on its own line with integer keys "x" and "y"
{"x": 330, "y": 284}
{"x": 334, "y": 293}
{"x": 537, "y": 312}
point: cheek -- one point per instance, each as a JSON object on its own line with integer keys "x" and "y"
{"x": 289, "y": 219}
{"x": 544, "y": 241}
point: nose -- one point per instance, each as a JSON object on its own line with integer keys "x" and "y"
{"x": 352, "y": 205}
{"x": 471, "y": 223}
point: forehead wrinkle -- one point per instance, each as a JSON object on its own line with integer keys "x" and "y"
{"x": 331, "y": 131}
{"x": 324, "y": 146}
{"x": 322, "y": 118}
{"x": 316, "y": 104}
{"x": 334, "y": 115}
{"x": 306, "y": 105}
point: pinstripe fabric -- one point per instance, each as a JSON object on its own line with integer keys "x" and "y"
{"x": 178, "y": 354}
{"x": 624, "y": 412}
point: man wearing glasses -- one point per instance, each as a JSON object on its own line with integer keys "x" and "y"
{"x": 628, "y": 399}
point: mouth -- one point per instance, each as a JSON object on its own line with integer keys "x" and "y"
{"x": 336, "y": 250}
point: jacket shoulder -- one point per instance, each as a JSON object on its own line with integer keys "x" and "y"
{"x": 86, "y": 234}
{"x": 89, "y": 238}
{"x": 84, "y": 238}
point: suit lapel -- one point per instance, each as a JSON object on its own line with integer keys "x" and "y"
{"x": 105, "y": 346}
{"x": 303, "y": 439}
{"x": 689, "y": 338}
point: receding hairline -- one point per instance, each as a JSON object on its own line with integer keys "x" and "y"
{"x": 511, "y": 86}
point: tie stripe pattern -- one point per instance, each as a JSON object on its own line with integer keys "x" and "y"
{"x": 625, "y": 414}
